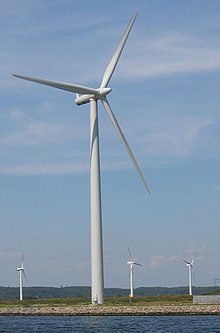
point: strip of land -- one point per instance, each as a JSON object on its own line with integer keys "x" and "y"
{"x": 98, "y": 310}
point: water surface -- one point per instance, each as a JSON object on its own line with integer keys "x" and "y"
{"x": 90, "y": 324}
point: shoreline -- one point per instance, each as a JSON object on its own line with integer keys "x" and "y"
{"x": 99, "y": 310}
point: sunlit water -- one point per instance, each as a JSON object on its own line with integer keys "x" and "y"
{"x": 134, "y": 324}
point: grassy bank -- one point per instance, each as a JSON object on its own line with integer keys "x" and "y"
{"x": 109, "y": 301}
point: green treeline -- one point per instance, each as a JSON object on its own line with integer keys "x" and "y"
{"x": 12, "y": 293}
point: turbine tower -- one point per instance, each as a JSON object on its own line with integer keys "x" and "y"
{"x": 90, "y": 95}
{"x": 21, "y": 273}
{"x": 190, "y": 266}
{"x": 131, "y": 263}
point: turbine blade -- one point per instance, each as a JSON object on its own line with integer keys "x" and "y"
{"x": 129, "y": 252}
{"x": 194, "y": 277}
{"x": 22, "y": 261}
{"x": 24, "y": 275}
{"x": 192, "y": 262}
{"x": 60, "y": 85}
{"x": 114, "y": 60}
{"x": 122, "y": 137}
{"x": 135, "y": 263}
{"x": 186, "y": 261}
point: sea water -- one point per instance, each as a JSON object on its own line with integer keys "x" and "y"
{"x": 90, "y": 324}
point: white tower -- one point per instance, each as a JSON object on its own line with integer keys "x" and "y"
{"x": 91, "y": 95}
{"x": 131, "y": 263}
{"x": 21, "y": 273}
{"x": 190, "y": 267}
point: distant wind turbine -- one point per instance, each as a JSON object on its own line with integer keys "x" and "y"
{"x": 131, "y": 263}
{"x": 90, "y": 95}
{"x": 190, "y": 266}
{"x": 21, "y": 273}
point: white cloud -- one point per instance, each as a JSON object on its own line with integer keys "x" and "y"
{"x": 9, "y": 254}
{"x": 5, "y": 255}
{"x": 38, "y": 127}
{"x": 169, "y": 54}
{"x": 160, "y": 260}
{"x": 46, "y": 169}
{"x": 194, "y": 249}
{"x": 35, "y": 133}
{"x": 172, "y": 136}
{"x": 156, "y": 262}
{"x": 46, "y": 148}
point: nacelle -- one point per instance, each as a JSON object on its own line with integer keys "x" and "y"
{"x": 83, "y": 99}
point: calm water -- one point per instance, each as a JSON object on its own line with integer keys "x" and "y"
{"x": 170, "y": 324}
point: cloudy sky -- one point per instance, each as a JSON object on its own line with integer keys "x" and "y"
{"x": 165, "y": 95}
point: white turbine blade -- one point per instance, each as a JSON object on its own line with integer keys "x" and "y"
{"x": 24, "y": 275}
{"x": 114, "y": 60}
{"x": 122, "y": 137}
{"x": 194, "y": 277}
{"x": 192, "y": 262}
{"x": 60, "y": 85}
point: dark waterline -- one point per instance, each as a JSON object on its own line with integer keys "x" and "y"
{"x": 89, "y": 324}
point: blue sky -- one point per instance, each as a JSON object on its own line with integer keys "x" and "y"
{"x": 165, "y": 95}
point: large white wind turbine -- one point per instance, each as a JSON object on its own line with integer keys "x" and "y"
{"x": 21, "y": 273}
{"x": 90, "y": 95}
{"x": 190, "y": 267}
{"x": 131, "y": 263}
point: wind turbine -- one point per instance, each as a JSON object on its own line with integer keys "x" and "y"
{"x": 90, "y": 95}
{"x": 131, "y": 263}
{"x": 21, "y": 273}
{"x": 190, "y": 266}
